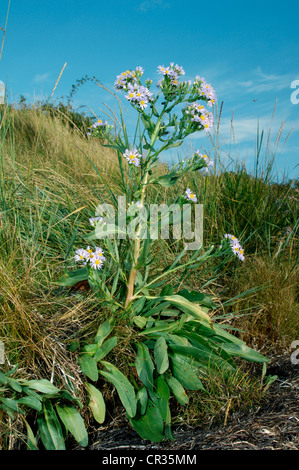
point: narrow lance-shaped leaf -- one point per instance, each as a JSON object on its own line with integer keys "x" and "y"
{"x": 49, "y": 428}
{"x": 144, "y": 365}
{"x": 89, "y": 367}
{"x": 149, "y": 426}
{"x": 73, "y": 422}
{"x": 178, "y": 390}
{"x": 103, "y": 331}
{"x": 96, "y": 403}
{"x": 105, "y": 349}
{"x": 72, "y": 277}
{"x": 161, "y": 355}
{"x": 123, "y": 386}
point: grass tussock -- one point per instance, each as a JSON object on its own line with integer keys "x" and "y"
{"x": 273, "y": 320}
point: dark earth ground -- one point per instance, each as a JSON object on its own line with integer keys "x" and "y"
{"x": 271, "y": 426}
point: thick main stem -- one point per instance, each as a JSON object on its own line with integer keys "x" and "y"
{"x": 133, "y": 272}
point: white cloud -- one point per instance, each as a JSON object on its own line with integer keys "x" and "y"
{"x": 40, "y": 78}
{"x": 151, "y": 4}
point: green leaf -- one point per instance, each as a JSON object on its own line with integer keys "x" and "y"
{"x": 15, "y": 385}
{"x": 188, "y": 307}
{"x": 31, "y": 441}
{"x": 138, "y": 305}
{"x": 10, "y": 403}
{"x": 105, "y": 349}
{"x": 124, "y": 388}
{"x": 72, "y": 277}
{"x": 186, "y": 372}
{"x": 192, "y": 296}
{"x": 142, "y": 399}
{"x": 89, "y": 349}
{"x": 166, "y": 327}
{"x": 241, "y": 350}
{"x": 74, "y": 345}
{"x": 167, "y": 290}
{"x": 32, "y": 402}
{"x": 73, "y": 422}
{"x": 89, "y": 367}
{"x": 96, "y": 403}
{"x": 140, "y": 321}
{"x": 161, "y": 397}
{"x": 3, "y": 379}
{"x": 49, "y": 428}
{"x": 161, "y": 356}
{"x": 166, "y": 181}
{"x": 42, "y": 385}
{"x": 178, "y": 390}
{"x": 104, "y": 330}
{"x": 150, "y": 426}
{"x": 236, "y": 347}
{"x": 144, "y": 365}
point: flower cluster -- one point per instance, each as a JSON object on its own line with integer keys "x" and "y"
{"x": 139, "y": 95}
{"x": 129, "y": 77}
{"x": 206, "y": 159}
{"x": 93, "y": 220}
{"x": 235, "y": 246}
{"x": 100, "y": 125}
{"x": 132, "y": 156}
{"x": 204, "y": 90}
{"x": 190, "y": 195}
{"x": 198, "y": 114}
{"x": 172, "y": 72}
{"x": 95, "y": 257}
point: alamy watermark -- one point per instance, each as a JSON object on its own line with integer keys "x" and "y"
{"x": 295, "y": 354}
{"x": 153, "y": 222}
{"x": 295, "y": 94}
{"x": 2, "y": 358}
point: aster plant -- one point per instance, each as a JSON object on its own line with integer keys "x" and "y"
{"x": 175, "y": 339}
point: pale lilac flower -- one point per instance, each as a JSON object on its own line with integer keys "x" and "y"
{"x": 190, "y": 195}
{"x": 206, "y": 159}
{"x": 132, "y": 156}
{"x": 200, "y": 115}
{"x": 89, "y": 253}
{"x": 173, "y": 72}
{"x": 139, "y": 95}
{"x": 97, "y": 262}
{"x": 129, "y": 77}
{"x": 99, "y": 252}
{"x": 235, "y": 245}
{"x": 94, "y": 220}
{"x": 80, "y": 255}
{"x": 205, "y": 90}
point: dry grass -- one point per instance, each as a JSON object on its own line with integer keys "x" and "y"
{"x": 271, "y": 323}
{"x": 41, "y": 142}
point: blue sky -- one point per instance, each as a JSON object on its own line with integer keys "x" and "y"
{"x": 247, "y": 51}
